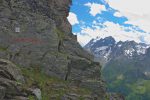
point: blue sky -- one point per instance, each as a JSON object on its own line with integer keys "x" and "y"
{"x": 101, "y": 18}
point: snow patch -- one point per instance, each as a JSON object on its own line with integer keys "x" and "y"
{"x": 101, "y": 48}
{"x": 129, "y": 52}
{"x": 107, "y": 54}
{"x": 119, "y": 45}
{"x": 141, "y": 49}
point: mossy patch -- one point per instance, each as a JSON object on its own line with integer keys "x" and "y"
{"x": 60, "y": 34}
{"x": 51, "y": 87}
{"x": 3, "y": 48}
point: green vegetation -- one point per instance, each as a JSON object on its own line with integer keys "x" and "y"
{"x": 3, "y": 48}
{"x": 132, "y": 91}
{"x": 60, "y": 34}
{"x": 140, "y": 90}
{"x": 127, "y": 80}
{"x": 59, "y": 54}
{"x": 31, "y": 98}
{"x": 51, "y": 87}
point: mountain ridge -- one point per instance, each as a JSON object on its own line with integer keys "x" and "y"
{"x": 102, "y": 48}
{"x": 125, "y": 66}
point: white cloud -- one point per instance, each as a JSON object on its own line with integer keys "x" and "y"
{"x": 137, "y": 12}
{"x": 83, "y": 39}
{"x": 117, "y": 14}
{"x": 112, "y": 29}
{"x": 72, "y": 18}
{"x": 95, "y": 8}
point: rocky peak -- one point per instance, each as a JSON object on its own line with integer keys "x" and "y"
{"x": 110, "y": 38}
{"x": 107, "y": 49}
{"x": 101, "y": 42}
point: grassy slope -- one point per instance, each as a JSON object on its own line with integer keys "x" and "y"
{"x": 50, "y": 86}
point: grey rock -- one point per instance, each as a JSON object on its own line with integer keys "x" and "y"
{"x": 10, "y": 80}
{"x": 20, "y": 98}
{"x": 10, "y": 71}
{"x": 2, "y": 92}
{"x": 70, "y": 97}
{"x": 37, "y": 93}
{"x": 115, "y": 96}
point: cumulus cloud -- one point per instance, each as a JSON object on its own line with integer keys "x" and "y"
{"x": 117, "y": 14}
{"x": 111, "y": 29}
{"x": 95, "y": 8}
{"x": 83, "y": 39}
{"x": 72, "y": 18}
{"x": 137, "y": 12}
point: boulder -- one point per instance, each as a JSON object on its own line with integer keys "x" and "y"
{"x": 37, "y": 93}
{"x": 10, "y": 71}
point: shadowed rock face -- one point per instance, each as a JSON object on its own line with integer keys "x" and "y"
{"x": 37, "y": 33}
{"x": 10, "y": 76}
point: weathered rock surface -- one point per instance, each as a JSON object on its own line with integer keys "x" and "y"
{"x": 37, "y": 93}
{"x": 116, "y": 97}
{"x": 37, "y": 33}
{"x": 10, "y": 81}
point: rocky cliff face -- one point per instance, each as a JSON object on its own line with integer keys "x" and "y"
{"x": 36, "y": 33}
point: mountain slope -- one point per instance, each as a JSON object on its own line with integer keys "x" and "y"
{"x": 107, "y": 49}
{"x": 125, "y": 65}
{"x": 101, "y": 48}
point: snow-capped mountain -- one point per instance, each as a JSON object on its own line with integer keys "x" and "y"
{"x": 124, "y": 63}
{"x": 107, "y": 49}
